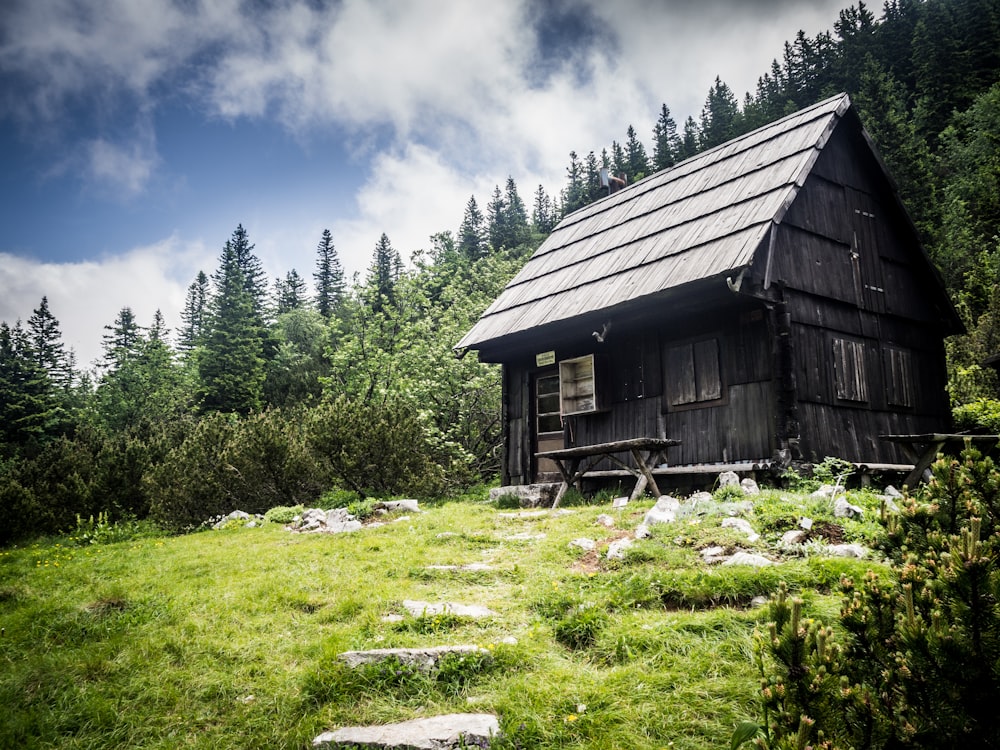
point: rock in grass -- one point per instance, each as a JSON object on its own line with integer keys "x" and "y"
{"x": 434, "y": 733}
{"x": 427, "y": 609}
{"x": 794, "y": 536}
{"x": 408, "y": 506}
{"x": 423, "y": 659}
{"x": 583, "y": 543}
{"x": 746, "y": 558}
{"x": 741, "y": 524}
{"x": 665, "y": 511}
{"x": 847, "y": 550}
{"x": 729, "y": 478}
{"x": 616, "y": 550}
{"x": 843, "y": 509}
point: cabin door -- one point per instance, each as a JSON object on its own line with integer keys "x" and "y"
{"x": 547, "y": 432}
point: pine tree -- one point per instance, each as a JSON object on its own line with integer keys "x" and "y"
{"x": 543, "y": 213}
{"x": 575, "y": 193}
{"x": 720, "y": 117}
{"x": 689, "y": 141}
{"x": 666, "y": 142}
{"x": 385, "y": 271}
{"x": 636, "y": 160}
{"x": 592, "y": 178}
{"x": 289, "y": 292}
{"x": 29, "y": 409}
{"x": 47, "y": 345}
{"x": 254, "y": 279}
{"x": 515, "y": 217}
{"x": 194, "y": 313}
{"x": 496, "y": 232}
{"x": 472, "y": 232}
{"x": 122, "y": 341}
{"x": 329, "y": 277}
{"x": 231, "y": 361}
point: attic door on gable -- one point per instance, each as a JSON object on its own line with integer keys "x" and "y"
{"x": 867, "y": 232}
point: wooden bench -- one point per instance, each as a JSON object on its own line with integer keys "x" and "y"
{"x": 646, "y": 452}
{"x": 923, "y": 449}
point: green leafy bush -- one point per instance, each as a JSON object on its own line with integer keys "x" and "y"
{"x": 981, "y": 414}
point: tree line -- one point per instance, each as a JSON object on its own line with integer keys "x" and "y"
{"x": 271, "y": 391}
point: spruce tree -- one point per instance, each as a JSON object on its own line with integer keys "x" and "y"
{"x": 575, "y": 193}
{"x": 385, "y": 270}
{"x": 592, "y": 178}
{"x": 666, "y": 142}
{"x": 122, "y": 341}
{"x": 30, "y": 412}
{"x": 515, "y": 217}
{"x": 231, "y": 361}
{"x": 636, "y": 160}
{"x": 543, "y": 213}
{"x": 472, "y": 232}
{"x": 254, "y": 279}
{"x": 193, "y": 316}
{"x": 689, "y": 141}
{"x": 289, "y": 292}
{"x": 720, "y": 117}
{"x": 47, "y": 345}
{"x": 496, "y": 232}
{"x": 329, "y": 277}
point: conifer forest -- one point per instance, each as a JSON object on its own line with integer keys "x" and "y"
{"x": 273, "y": 391}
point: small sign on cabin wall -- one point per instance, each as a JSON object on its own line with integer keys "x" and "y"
{"x": 545, "y": 359}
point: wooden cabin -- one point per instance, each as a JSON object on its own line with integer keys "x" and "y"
{"x": 763, "y": 302}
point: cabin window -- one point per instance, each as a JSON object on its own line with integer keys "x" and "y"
{"x": 849, "y": 370}
{"x": 693, "y": 373}
{"x": 578, "y": 385}
{"x": 547, "y": 405}
{"x": 898, "y": 376}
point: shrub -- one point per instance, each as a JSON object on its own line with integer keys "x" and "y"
{"x": 981, "y": 414}
{"x": 227, "y": 463}
{"x": 284, "y": 513}
{"x": 919, "y": 667}
{"x": 377, "y": 449}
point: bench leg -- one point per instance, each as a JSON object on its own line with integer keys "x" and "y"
{"x": 640, "y": 487}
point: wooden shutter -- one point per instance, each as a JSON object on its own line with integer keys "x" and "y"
{"x": 898, "y": 377}
{"x": 849, "y": 370}
{"x": 706, "y": 370}
{"x": 693, "y": 373}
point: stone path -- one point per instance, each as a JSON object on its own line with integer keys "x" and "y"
{"x": 435, "y": 733}
{"x": 424, "y": 659}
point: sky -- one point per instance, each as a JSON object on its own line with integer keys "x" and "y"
{"x": 136, "y": 135}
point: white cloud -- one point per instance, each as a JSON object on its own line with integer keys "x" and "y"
{"x": 85, "y": 297}
{"x": 411, "y": 195}
{"x": 125, "y": 168}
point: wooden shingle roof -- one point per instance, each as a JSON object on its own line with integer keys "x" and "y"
{"x": 702, "y": 218}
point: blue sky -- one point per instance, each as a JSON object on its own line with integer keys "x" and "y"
{"x": 135, "y": 135}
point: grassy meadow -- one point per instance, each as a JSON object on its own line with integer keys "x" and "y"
{"x": 229, "y": 639}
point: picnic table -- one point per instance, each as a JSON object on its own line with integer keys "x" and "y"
{"x": 574, "y": 463}
{"x": 923, "y": 449}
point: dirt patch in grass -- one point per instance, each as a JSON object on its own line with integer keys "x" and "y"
{"x": 592, "y": 562}
{"x": 830, "y": 533}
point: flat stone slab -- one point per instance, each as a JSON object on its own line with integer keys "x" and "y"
{"x": 424, "y": 659}
{"x": 467, "y": 568}
{"x": 424, "y": 609}
{"x": 434, "y": 733}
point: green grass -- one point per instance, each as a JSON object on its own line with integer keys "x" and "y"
{"x": 229, "y": 639}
